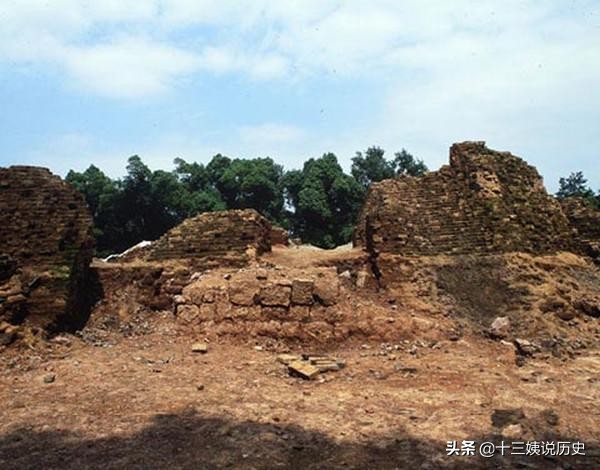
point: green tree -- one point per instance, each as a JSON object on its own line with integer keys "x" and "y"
{"x": 406, "y": 164}
{"x": 371, "y": 167}
{"x": 575, "y": 185}
{"x": 254, "y": 183}
{"x": 200, "y": 194}
{"x": 101, "y": 194}
{"x": 325, "y": 201}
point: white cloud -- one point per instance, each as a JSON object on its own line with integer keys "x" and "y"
{"x": 522, "y": 74}
{"x": 128, "y": 67}
{"x": 221, "y": 60}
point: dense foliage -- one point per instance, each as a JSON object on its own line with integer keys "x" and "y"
{"x": 575, "y": 185}
{"x": 318, "y": 203}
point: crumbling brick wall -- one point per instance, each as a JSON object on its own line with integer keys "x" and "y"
{"x": 483, "y": 202}
{"x": 221, "y": 238}
{"x": 46, "y": 246}
{"x": 279, "y": 236}
{"x": 585, "y": 222}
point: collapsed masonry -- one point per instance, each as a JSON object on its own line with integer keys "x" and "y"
{"x": 484, "y": 202}
{"x": 46, "y": 247}
{"x": 226, "y": 238}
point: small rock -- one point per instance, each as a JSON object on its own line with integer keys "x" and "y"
{"x": 227, "y": 276}
{"x": 500, "y": 327}
{"x": 406, "y": 370}
{"x": 503, "y": 417}
{"x": 454, "y": 336}
{"x": 261, "y": 274}
{"x": 258, "y": 348}
{"x": 287, "y": 358}
{"x": 550, "y": 416}
{"x": 7, "y": 337}
{"x": 303, "y": 369}
{"x": 512, "y": 431}
{"x": 49, "y": 378}
{"x": 200, "y": 387}
{"x": 200, "y": 347}
{"x": 524, "y": 347}
{"x": 566, "y": 314}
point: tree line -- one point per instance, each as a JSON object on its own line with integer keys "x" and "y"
{"x": 318, "y": 203}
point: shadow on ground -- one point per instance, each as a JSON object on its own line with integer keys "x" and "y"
{"x": 191, "y": 441}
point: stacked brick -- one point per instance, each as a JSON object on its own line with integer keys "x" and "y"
{"x": 216, "y": 238}
{"x": 46, "y": 246}
{"x": 258, "y": 301}
{"x": 483, "y": 202}
{"x": 279, "y": 236}
{"x": 585, "y": 221}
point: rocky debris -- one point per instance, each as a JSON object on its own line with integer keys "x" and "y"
{"x": 512, "y": 431}
{"x": 232, "y": 237}
{"x": 525, "y": 347}
{"x": 200, "y": 347}
{"x": 8, "y": 266}
{"x": 49, "y": 378}
{"x": 550, "y": 417}
{"x": 589, "y": 306}
{"x": 288, "y": 358}
{"x": 309, "y": 366}
{"x": 483, "y": 202}
{"x": 8, "y": 333}
{"x": 505, "y": 417}
{"x": 47, "y": 243}
{"x": 303, "y": 369}
{"x": 566, "y": 314}
{"x": 499, "y": 328}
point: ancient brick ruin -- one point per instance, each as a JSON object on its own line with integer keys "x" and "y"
{"x": 258, "y": 301}
{"x": 585, "y": 222}
{"x": 216, "y": 238}
{"x": 279, "y": 236}
{"x": 483, "y": 202}
{"x": 46, "y": 247}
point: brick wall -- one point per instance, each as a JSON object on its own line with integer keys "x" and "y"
{"x": 483, "y": 202}
{"x": 46, "y": 230}
{"x": 585, "y": 221}
{"x": 226, "y": 237}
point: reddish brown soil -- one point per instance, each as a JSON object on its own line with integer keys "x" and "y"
{"x": 149, "y": 402}
{"x": 128, "y": 392}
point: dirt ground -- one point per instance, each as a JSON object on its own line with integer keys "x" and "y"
{"x": 150, "y": 402}
{"x": 133, "y": 394}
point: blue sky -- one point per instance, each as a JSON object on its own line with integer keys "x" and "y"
{"x": 86, "y": 82}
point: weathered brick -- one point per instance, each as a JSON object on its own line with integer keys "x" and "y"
{"x": 302, "y": 291}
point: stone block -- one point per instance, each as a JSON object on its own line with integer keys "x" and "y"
{"x": 327, "y": 289}
{"x": 243, "y": 292}
{"x": 302, "y": 291}
{"x": 188, "y": 313}
{"x": 275, "y": 295}
{"x": 303, "y": 369}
